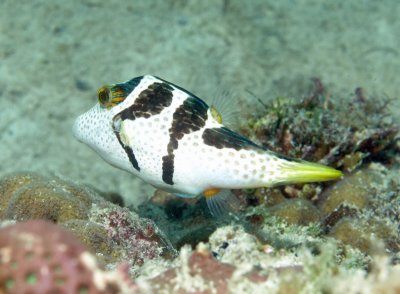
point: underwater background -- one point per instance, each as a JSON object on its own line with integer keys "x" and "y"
{"x": 272, "y": 57}
{"x": 54, "y": 55}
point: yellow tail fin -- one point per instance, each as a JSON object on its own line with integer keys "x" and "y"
{"x": 303, "y": 172}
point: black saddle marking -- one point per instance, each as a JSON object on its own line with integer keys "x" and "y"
{"x": 225, "y": 138}
{"x": 191, "y": 116}
{"x": 149, "y": 102}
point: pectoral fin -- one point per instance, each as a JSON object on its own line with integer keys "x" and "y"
{"x": 221, "y": 201}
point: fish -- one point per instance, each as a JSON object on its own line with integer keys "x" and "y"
{"x": 176, "y": 142}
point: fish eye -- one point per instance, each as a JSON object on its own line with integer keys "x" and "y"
{"x": 111, "y": 95}
{"x": 104, "y": 96}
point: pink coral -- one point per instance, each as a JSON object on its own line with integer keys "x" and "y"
{"x": 40, "y": 257}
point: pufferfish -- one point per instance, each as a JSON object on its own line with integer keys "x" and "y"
{"x": 173, "y": 140}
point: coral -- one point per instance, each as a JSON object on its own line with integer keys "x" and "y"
{"x": 233, "y": 245}
{"x": 243, "y": 264}
{"x": 199, "y": 272}
{"x": 40, "y": 257}
{"x": 268, "y": 197}
{"x": 94, "y": 236}
{"x": 113, "y": 233}
{"x": 33, "y": 197}
{"x": 362, "y": 234}
{"x": 382, "y": 278}
{"x": 276, "y": 232}
{"x": 137, "y": 239}
{"x": 11, "y": 183}
{"x": 319, "y": 128}
{"x": 356, "y": 209}
{"x": 359, "y": 211}
{"x": 296, "y": 211}
{"x": 44, "y": 201}
{"x": 355, "y": 190}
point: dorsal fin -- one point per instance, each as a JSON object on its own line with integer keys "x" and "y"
{"x": 225, "y": 106}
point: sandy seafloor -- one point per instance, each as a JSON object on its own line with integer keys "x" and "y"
{"x": 55, "y": 54}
